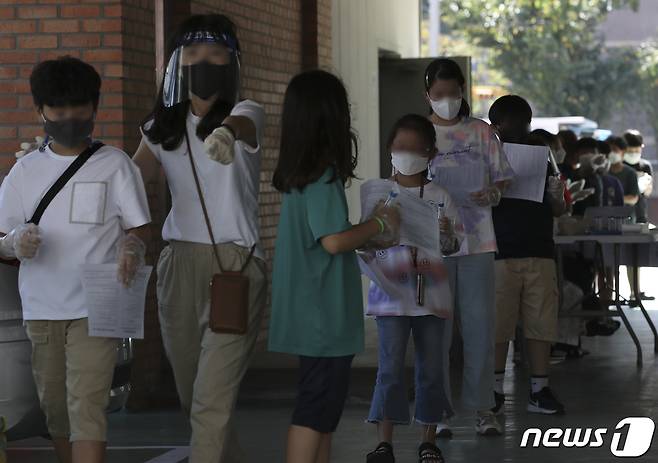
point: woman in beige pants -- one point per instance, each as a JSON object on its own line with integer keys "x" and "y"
{"x": 199, "y": 101}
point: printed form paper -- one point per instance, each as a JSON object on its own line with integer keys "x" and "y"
{"x": 114, "y": 310}
{"x": 529, "y": 164}
{"x": 417, "y": 216}
{"x": 461, "y": 181}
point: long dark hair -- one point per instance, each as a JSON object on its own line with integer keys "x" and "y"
{"x": 447, "y": 69}
{"x": 316, "y": 132}
{"x": 168, "y": 128}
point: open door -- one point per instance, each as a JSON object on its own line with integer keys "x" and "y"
{"x": 402, "y": 91}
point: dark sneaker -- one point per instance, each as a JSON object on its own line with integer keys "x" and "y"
{"x": 487, "y": 425}
{"x": 498, "y": 409}
{"x": 382, "y": 454}
{"x": 545, "y": 402}
{"x": 429, "y": 453}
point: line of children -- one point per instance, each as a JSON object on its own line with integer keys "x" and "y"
{"x": 412, "y": 145}
{"x": 101, "y": 214}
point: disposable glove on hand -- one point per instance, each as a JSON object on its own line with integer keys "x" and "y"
{"x": 220, "y": 145}
{"x": 21, "y": 243}
{"x": 28, "y": 147}
{"x": 489, "y": 196}
{"x": 131, "y": 258}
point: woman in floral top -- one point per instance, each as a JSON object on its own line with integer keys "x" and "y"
{"x": 463, "y": 141}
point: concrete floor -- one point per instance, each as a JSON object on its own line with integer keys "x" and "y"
{"x": 599, "y": 390}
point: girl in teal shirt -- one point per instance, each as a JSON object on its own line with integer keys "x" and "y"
{"x": 317, "y": 309}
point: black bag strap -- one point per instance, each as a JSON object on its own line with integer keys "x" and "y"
{"x": 63, "y": 180}
{"x": 205, "y": 212}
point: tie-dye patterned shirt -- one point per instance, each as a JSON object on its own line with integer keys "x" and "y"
{"x": 473, "y": 141}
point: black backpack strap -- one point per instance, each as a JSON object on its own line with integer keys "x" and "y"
{"x": 63, "y": 180}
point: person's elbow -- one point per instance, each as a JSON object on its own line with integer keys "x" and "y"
{"x": 631, "y": 200}
{"x": 332, "y": 244}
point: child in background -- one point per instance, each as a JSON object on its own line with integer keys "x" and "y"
{"x": 317, "y": 307}
{"x": 412, "y": 144}
{"x": 526, "y": 277}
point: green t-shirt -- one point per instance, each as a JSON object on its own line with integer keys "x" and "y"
{"x": 317, "y": 304}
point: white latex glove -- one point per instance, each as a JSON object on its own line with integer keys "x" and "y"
{"x": 555, "y": 189}
{"x": 220, "y": 145}
{"x": 575, "y": 187}
{"x": 490, "y": 196}
{"x": 449, "y": 242}
{"x": 21, "y": 243}
{"x": 28, "y": 147}
{"x": 644, "y": 181}
{"x": 131, "y": 257}
{"x": 582, "y": 194}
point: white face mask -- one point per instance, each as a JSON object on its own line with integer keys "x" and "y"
{"x": 615, "y": 157}
{"x": 409, "y": 163}
{"x": 446, "y": 108}
{"x": 633, "y": 157}
{"x": 560, "y": 155}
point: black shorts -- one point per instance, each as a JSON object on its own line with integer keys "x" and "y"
{"x": 322, "y": 391}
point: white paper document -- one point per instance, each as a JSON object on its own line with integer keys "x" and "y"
{"x": 529, "y": 164}
{"x": 417, "y": 216}
{"x": 114, "y": 310}
{"x": 461, "y": 181}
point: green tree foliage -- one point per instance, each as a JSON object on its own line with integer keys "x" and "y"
{"x": 552, "y": 51}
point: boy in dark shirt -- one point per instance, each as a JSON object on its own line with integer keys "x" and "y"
{"x": 526, "y": 282}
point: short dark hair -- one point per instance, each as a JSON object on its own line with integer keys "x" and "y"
{"x": 65, "y": 81}
{"x": 603, "y": 147}
{"x": 548, "y": 137}
{"x": 419, "y": 124}
{"x": 510, "y": 107}
{"x": 633, "y": 138}
{"x": 447, "y": 69}
{"x": 316, "y": 132}
{"x": 617, "y": 142}
{"x": 587, "y": 143}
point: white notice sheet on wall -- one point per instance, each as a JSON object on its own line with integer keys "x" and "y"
{"x": 114, "y": 310}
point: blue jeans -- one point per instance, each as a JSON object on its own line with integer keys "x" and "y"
{"x": 390, "y": 399}
{"x": 473, "y": 287}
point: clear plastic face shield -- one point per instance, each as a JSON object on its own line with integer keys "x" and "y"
{"x": 205, "y": 64}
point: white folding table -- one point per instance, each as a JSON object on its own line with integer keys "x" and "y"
{"x": 635, "y": 250}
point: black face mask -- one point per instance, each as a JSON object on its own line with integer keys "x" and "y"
{"x": 69, "y": 132}
{"x": 206, "y": 79}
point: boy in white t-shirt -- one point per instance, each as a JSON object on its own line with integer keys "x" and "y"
{"x": 100, "y": 216}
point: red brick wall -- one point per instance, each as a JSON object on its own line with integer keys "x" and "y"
{"x": 116, "y": 36}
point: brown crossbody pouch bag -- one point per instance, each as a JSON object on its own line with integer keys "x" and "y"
{"x": 229, "y": 291}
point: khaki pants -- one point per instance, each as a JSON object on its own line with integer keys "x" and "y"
{"x": 526, "y": 288}
{"x": 73, "y": 373}
{"x": 208, "y": 367}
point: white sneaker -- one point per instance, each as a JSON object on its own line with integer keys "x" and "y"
{"x": 487, "y": 424}
{"x": 443, "y": 430}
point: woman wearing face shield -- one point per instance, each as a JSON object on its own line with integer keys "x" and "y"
{"x": 198, "y": 114}
{"x": 464, "y": 141}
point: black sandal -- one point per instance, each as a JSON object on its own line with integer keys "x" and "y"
{"x": 382, "y": 454}
{"x": 429, "y": 453}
